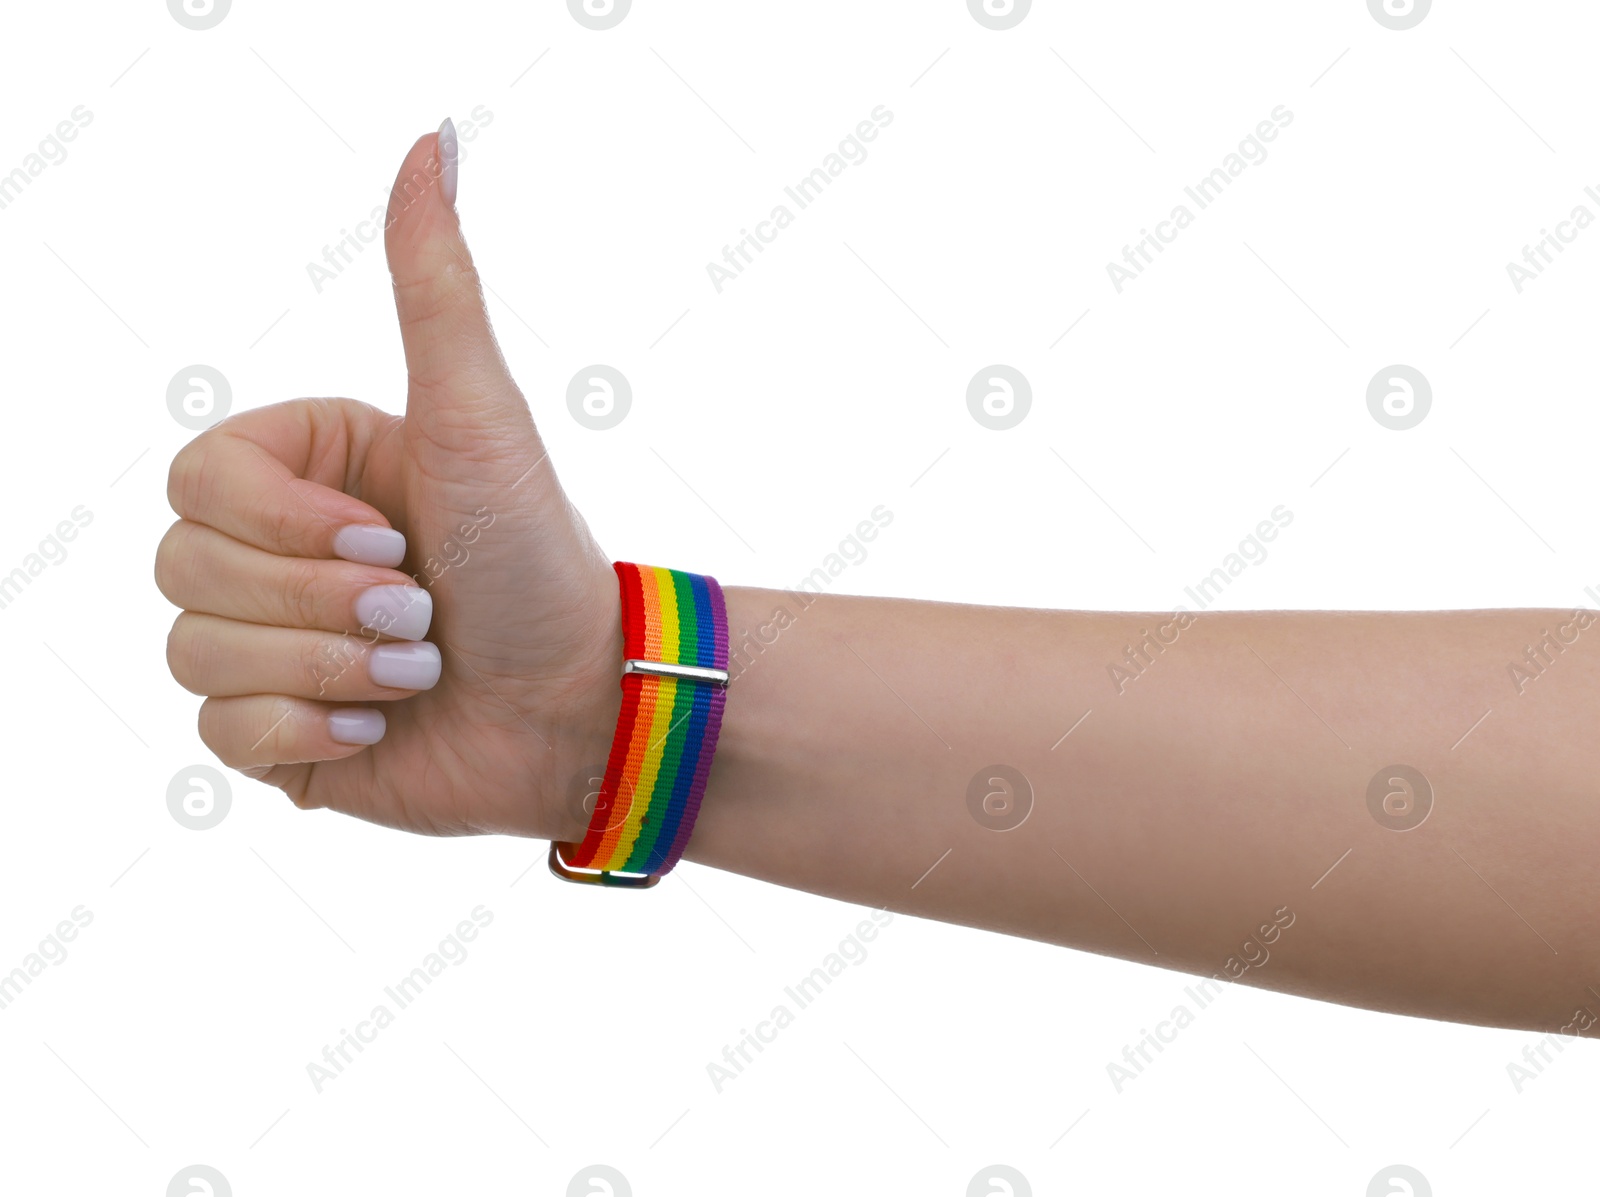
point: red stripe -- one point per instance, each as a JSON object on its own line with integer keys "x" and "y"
{"x": 610, "y": 809}
{"x": 632, "y": 609}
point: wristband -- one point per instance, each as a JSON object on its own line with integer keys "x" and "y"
{"x": 674, "y": 685}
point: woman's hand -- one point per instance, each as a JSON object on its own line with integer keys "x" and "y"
{"x": 321, "y": 540}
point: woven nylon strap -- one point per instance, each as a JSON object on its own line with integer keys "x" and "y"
{"x": 667, "y": 729}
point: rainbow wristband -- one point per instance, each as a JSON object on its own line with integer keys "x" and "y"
{"x": 674, "y": 685}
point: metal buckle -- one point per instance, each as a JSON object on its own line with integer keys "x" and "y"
{"x": 595, "y": 876}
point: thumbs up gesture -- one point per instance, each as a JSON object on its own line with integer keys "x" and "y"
{"x": 400, "y": 618}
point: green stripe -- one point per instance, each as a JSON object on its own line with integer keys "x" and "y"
{"x": 688, "y": 620}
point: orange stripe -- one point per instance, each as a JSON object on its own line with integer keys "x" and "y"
{"x": 650, "y": 584}
{"x": 611, "y": 851}
{"x": 652, "y": 750}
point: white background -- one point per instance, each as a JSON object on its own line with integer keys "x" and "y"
{"x": 831, "y": 377}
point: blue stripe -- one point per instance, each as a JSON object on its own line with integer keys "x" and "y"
{"x": 706, "y": 641}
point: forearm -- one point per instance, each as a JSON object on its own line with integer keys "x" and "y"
{"x": 1180, "y": 816}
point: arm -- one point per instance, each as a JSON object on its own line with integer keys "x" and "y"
{"x": 1191, "y": 820}
{"x": 404, "y": 619}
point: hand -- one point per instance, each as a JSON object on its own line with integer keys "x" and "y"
{"x": 320, "y": 540}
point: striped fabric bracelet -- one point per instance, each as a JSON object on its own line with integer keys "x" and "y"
{"x": 674, "y": 686}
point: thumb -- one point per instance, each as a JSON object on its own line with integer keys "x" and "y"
{"x": 461, "y": 396}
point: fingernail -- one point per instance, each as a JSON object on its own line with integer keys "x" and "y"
{"x": 357, "y": 725}
{"x": 449, "y": 160}
{"x": 405, "y": 666}
{"x": 404, "y": 612}
{"x": 256, "y": 772}
{"x": 369, "y": 544}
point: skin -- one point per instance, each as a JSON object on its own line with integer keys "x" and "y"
{"x": 1209, "y": 814}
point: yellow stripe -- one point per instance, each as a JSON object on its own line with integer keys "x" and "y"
{"x": 669, "y": 615}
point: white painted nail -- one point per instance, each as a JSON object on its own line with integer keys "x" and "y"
{"x": 405, "y": 666}
{"x": 404, "y": 612}
{"x": 369, "y": 544}
{"x": 449, "y": 160}
{"x": 357, "y": 725}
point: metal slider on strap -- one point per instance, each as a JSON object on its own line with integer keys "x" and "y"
{"x": 691, "y": 673}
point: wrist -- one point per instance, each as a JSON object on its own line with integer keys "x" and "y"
{"x": 584, "y": 762}
{"x": 580, "y": 742}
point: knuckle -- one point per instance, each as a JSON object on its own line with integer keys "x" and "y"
{"x": 182, "y": 650}
{"x": 324, "y": 666}
{"x": 425, "y": 297}
{"x": 283, "y": 526}
{"x": 182, "y": 565}
{"x": 247, "y": 734}
{"x": 183, "y": 476}
{"x": 220, "y": 731}
{"x": 170, "y": 557}
{"x": 303, "y": 592}
{"x": 276, "y": 738}
{"x": 209, "y": 723}
{"x": 194, "y": 480}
